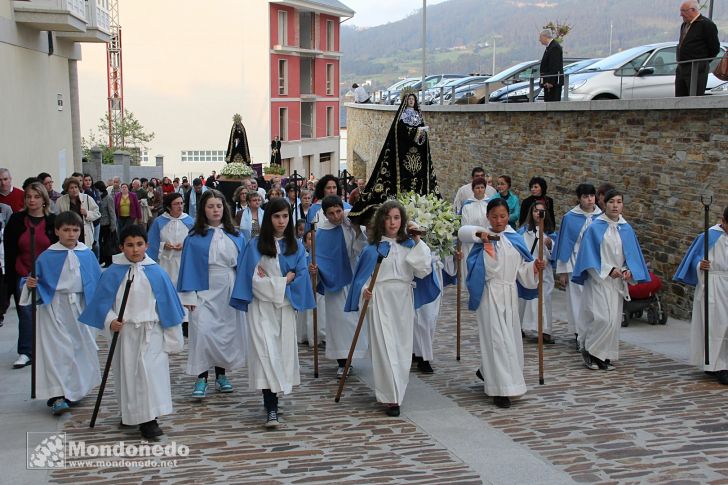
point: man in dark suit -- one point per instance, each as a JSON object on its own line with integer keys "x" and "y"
{"x": 698, "y": 40}
{"x": 552, "y": 66}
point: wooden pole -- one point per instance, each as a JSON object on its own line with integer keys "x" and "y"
{"x": 33, "y": 316}
{"x": 314, "y": 312}
{"x": 706, "y": 201}
{"x": 362, "y": 314}
{"x": 112, "y": 347}
{"x": 458, "y": 306}
{"x": 540, "y": 298}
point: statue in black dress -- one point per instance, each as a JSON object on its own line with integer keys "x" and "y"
{"x": 238, "y": 150}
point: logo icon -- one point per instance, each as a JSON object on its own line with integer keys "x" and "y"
{"x": 45, "y": 451}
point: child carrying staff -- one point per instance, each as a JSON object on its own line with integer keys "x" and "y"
{"x": 572, "y": 228}
{"x": 497, "y": 264}
{"x": 271, "y": 285}
{"x": 304, "y": 320}
{"x": 338, "y": 244}
{"x": 391, "y": 311}
{"x": 66, "y": 277}
{"x": 217, "y": 333}
{"x": 692, "y": 272}
{"x": 609, "y": 257}
{"x": 150, "y": 330}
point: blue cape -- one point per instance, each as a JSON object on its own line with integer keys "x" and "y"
{"x": 687, "y": 272}
{"x": 299, "y": 292}
{"x": 315, "y": 207}
{"x": 426, "y": 290}
{"x": 155, "y": 232}
{"x": 194, "y": 268}
{"x": 168, "y": 308}
{"x": 48, "y": 268}
{"x": 569, "y": 230}
{"x": 332, "y": 259}
{"x": 476, "y": 271}
{"x": 590, "y": 256}
{"x": 554, "y": 237}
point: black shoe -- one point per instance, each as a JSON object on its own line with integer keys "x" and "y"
{"x": 425, "y": 367}
{"x": 548, "y": 339}
{"x": 185, "y": 329}
{"x": 393, "y": 410}
{"x": 588, "y": 362}
{"x": 416, "y": 359}
{"x": 150, "y": 430}
{"x": 723, "y": 377}
{"x": 502, "y": 402}
{"x": 479, "y": 375}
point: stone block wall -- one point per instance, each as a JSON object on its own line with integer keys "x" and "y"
{"x": 662, "y": 153}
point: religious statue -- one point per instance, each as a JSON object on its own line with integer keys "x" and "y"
{"x": 275, "y": 151}
{"x": 238, "y": 150}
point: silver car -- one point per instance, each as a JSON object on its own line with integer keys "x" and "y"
{"x": 646, "y": 71}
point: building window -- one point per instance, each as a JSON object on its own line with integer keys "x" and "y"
{"x": 282, "y": 27}
{"x": 325, "y": 157}
{"x": 330, "y": 121}
{"x": 329, "y": 79}
{"x": 330, "y": 35}
{"x": 283, "y": 123}
{"x": 282, "y": 76}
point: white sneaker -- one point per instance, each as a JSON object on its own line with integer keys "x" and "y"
{"x": 22, "y": 361}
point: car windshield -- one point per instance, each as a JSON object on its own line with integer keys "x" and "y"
{"x": 509, "y": 72}
{"x": 578, "y": 66}
{"x": 617, "y": 60}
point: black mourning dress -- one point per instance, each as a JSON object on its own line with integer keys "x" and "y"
{"x": 404, "y": 165}
{"x": 238, "y": 150}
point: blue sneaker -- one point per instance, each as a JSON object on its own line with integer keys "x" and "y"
{"x": 59, "y": 407}
{"x": 222, "y": 384}
{"x": 200, "y": 388}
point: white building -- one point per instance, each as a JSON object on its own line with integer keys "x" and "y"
{"x": 39, "y": 108}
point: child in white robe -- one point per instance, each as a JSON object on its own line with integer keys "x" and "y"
{"x": 304, "y": 320}
{"x": 495, "y": 267}
{"x": 67, "y": 356}
{"x": 271, "y": 285}
{"x": 150, "y": 330}
{"x": 391, "y": 309}
{"x": 692, "y": 272}
{"x": 473, "y": 213}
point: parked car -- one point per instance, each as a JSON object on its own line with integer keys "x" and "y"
{"x": 719, "y": 90}
{"x": 388, "y": 95}
{"x": 518, "y": 93}
{"x": 433, "y": 95}
{"x": 521, "y": 72}
{"x": 429, "y": 82}
{"x": 646, "y": 71}
{"x": 462, "y": 93}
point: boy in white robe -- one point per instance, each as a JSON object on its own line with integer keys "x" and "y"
{"x": 151, "y": 329}
{"x": 67, "y": 356}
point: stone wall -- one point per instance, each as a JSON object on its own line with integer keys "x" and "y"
{"x": 662, "y": 153}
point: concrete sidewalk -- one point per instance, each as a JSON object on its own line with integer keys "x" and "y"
{"x": 448, "y": 432}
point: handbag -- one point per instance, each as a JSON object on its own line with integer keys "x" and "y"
{"x": 721, "y": 70}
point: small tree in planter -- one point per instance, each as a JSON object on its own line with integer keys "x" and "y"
{"x": 561, "y": 29}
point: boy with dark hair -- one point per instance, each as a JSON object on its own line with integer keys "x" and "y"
{"x": 66, "y": 353}
{"x": 149, "y": 331}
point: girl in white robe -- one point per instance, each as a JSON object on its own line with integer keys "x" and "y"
{"x": 217, "y": 332}
{"x": 473, "y": 213}
{"x": 495, "y": 266}
{"x": 272, "y": 284}
{"x": 390, "y": 313}
{"x": 67, "y": 363}
{"x": 609, "y": 257}
{"x": 528, "y": 309}
{"x": 692, "y": 272}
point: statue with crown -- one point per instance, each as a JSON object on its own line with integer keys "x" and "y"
{"x": 238, "y": 160}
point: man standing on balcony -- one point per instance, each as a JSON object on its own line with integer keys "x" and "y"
{"x": 698, "y": 40}
{"x": 552, "y": 66}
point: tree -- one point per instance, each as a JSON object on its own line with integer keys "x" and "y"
{"x": 130, "y": 131}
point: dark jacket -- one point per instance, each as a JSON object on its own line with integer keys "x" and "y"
{"x": 526, "y": 208}
{"x": 552, "y": 64}
{"x": 15, "y": 228}
{"x": 700, "y": 42}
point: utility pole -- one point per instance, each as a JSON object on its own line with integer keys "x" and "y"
{"x": 492, "y": 72}
{"x": 611, "y": 32}
{"x": 424, "y": 47}
{"x": 710, "y": 10}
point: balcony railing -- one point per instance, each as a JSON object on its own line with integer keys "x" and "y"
{"x": 55, "y": 15}
{"x": 98, "y": 26}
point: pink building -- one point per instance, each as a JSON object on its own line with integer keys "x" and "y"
{"x": 291, "y": 82}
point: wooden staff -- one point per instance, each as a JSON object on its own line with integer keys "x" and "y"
{"x": 706, "y": 201}
{"x": 314, "y": 279}
{"x": 33, "y": 315}
{"x": 107, "y": 368}
{"x": 362, "y": 314}
{"x": 542, "y": 214}
{"x": 458, "y": 306}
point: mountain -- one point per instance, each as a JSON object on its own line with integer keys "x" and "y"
{"x": 460, "y": 35}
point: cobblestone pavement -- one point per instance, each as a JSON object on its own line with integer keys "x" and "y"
{"x": 652, "y": 420}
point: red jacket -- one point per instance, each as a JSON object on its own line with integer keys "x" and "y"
{"x": 15, "y": 199}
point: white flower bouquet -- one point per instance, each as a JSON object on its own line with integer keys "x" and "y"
{"x": 237, "y": 171}
{"x": 435, "y": 215}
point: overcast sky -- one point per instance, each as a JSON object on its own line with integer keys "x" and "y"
{"x": 182, "y": 67}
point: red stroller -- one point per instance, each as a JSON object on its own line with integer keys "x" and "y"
{"x": 645, "y": 298}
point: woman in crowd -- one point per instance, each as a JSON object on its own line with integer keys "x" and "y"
{"x": 83, "y": 205}
{"x": 108, "y": 241}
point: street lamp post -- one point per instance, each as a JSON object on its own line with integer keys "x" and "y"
{"x": 424, "y": 48}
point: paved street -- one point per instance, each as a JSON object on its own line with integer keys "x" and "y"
{"x": 655, "y": 419}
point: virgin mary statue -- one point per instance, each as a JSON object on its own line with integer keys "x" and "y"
{"x": 404, "y": 164}
{"x": 237, "y": 149}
